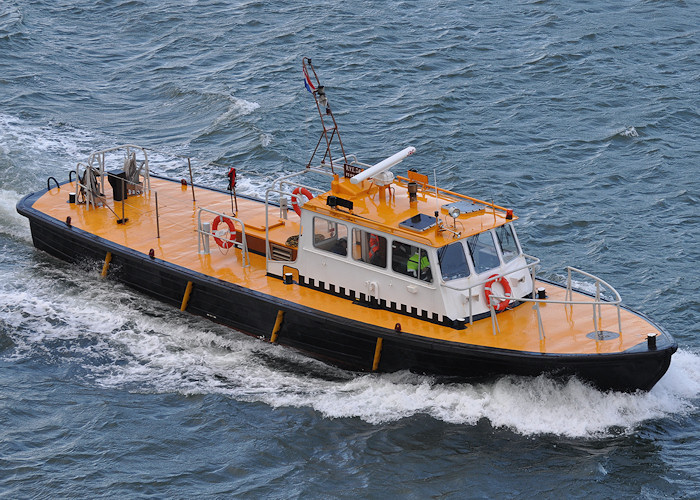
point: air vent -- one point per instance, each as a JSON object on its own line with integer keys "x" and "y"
{"x": 280, "y": 253}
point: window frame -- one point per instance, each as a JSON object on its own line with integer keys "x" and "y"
{"x": 361, "y": 238}
{"x": 495, "y": 245}
{"x": 519, "y": 250}
{"x": 330, "y": 247}
{"x": 467, "y": 263}
{"x": 403, "y": 264}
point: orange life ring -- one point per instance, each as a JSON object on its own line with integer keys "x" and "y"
{"x": 227, "y": 242}
{"x": 501, "y": 306}
{"x": 295, "y": 198}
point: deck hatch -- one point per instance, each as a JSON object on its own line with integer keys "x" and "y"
{"x": 464, "y": 207}
{"x": 418, "y": 223}
{"x": 603, "y": 335}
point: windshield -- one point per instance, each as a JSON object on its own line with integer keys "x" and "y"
{"x": 483, "y": 252}
{"x": 453, "y": 262}
{"x": 509, "y": 245}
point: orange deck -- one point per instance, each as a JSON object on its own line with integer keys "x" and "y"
{"x": 565, "y": 327}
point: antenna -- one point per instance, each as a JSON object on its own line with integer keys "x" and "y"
{"x": 329, "y": 132}
{"x": 383, "y": 165}
{"x": 437, "y": 201}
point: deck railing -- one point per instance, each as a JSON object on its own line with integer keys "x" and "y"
{"x": 284, "y": 193}
{"x": 596, "y": 305}
{"x": 531, "y": 264}
{"x": 204, "y": 231}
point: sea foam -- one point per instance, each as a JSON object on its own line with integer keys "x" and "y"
{"x": 123, "y": 341}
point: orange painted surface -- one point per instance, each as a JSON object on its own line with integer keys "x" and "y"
{"x": 565, "y": 327}
{"x": 384, "y": 209}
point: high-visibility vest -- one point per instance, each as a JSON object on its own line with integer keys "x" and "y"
{"x": 412, "y": 264}
{"x": 373, "y": 245}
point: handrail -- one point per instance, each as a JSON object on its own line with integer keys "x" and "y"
{"x": 531, "y": 265}
{"x": 268, "y": 251}
{"x": 597, "y": 279}
{"x": 281, "y": 181}
{"x": 458, "y": 195}
{"x": 94, "y": 198}
{"x": 597, "y": 302}
{"x": 243, "y": 245}
{"x": 408, "y": 235}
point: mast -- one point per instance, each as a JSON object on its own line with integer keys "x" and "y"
{"x": 330, "y": 126}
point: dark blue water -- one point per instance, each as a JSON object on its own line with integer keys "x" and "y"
{"x": 583, "y": 117}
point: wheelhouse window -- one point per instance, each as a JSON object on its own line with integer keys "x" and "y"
{"x": 330, "y": 236}
{"x": 483, "y": 252}
{"x": 453, "y": 262}
{"x": 411, "y": 261}
{"x": 369, "y": 248}
{"x": 509, "y": 245}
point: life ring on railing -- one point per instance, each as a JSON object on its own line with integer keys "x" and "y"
{"x": 227, "y": 241}
{"x": 295, "y": 198}
{"x": 501, "y": 306}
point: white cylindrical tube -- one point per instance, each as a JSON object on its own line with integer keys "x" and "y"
{"x": 383, "y": 165}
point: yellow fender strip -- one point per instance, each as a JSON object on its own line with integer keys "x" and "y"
{"x": 108, "y": 259}
{"x": 186, "y": 298}
{"x": 278, "y": 326}
{"x": 377, "y": 354}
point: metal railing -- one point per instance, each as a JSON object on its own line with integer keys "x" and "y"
{"x": 278, "y": 188}
{"x": 99, "y": 156}
{"x": 597, "y": 303}
{"x": 534, "y": 261}
{"x": 204, "y": 233}
{"x": 531, "y": 264}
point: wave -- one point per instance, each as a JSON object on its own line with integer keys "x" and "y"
{"x": 31, "y": 152}
{"x": 10, "y": 19}
{"x": 122, "y": 341}
{"x": 18, "y": 135}
{"x": 628, "y": 132}
{"x": 13, "y": 224}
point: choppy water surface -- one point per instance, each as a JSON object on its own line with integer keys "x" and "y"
{"x": 584, "y": 118}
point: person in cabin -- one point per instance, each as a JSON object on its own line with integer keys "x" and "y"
{"x": 419, "y": 266}
{"x": 376, "y": 256}
{"x": 340, "y": 247}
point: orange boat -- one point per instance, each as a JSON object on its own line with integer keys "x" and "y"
{"x": 379, "y": 273}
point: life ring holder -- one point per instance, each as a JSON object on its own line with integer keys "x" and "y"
{"x": 296, "y": 194}
{"x": 508, "y": 292}
{"x": 228, "y": 242}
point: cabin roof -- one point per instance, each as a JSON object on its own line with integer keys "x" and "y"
{"x": 388, "y": 209}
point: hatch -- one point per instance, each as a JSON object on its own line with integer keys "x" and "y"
{"x": 463, "y": 207}
{"x": 418, "y": 223}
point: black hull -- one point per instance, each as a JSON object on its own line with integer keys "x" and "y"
{"x": 334, "y": 339}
